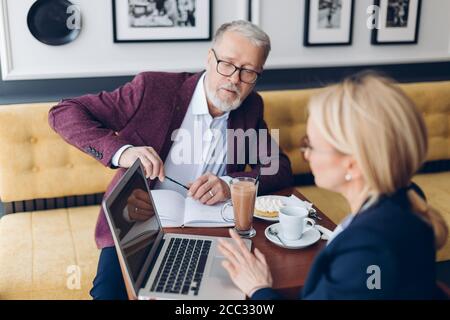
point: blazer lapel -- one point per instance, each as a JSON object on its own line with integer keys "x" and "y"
{"x": 179, "y": 108}
{"x": 236, "y": 120}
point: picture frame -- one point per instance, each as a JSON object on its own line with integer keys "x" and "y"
{"x": 398, "y": 22}
{"x": 254, "y": 11}
{"x": 162, "y": 20}
{"x": 328, "y": 23}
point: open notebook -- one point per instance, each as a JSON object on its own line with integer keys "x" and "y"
{"x": 174, "y": 210}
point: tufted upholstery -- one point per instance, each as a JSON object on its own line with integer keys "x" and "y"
{"x": 37, "y": 249}
{"x": 36, "y": 163}
{"x": 286, "y": 110}
{"x": 48, "y": 254}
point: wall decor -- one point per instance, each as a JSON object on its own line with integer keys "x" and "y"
{"x": 254, "y": 11}
{"x": 398, "y": 22}
{"x": 94, "y": 54}
{"x": 54, "y": 22}
{"x": 328, "y": 22}
{"x": 162, "y": 20}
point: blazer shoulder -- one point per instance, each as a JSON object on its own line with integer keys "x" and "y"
{"x": 389, "y": 226}
{"x": 256, "y": 99}
{"x": 254, "y": 104}
{"x": 164, "y": 78}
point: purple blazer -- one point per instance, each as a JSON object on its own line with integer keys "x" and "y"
{"x": 145, "y": 112}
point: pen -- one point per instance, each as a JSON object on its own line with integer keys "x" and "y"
{"x": 174, "y": 181}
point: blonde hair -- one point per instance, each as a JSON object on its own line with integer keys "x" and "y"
{"x": 370, "y": 117}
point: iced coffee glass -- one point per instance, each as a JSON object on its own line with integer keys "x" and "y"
{"x": 243, "y": 195}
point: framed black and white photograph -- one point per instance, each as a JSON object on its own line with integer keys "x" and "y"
{"x": 328, "y": 22}
{"x": 398, "y": 22}
{"x": 162, "y": 20}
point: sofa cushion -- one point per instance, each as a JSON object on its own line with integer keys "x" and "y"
{"x": 433, "y": 99}
{"x": 48, "y": 254}
{"x": 44, "y": 165}
{"x": 287, "y": 111}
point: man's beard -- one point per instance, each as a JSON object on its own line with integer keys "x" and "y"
{"x": 219, "y": 103}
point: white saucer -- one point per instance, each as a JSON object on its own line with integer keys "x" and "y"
{"x": 309, "y": 237}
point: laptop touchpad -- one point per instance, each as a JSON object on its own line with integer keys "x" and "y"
{"x": 217, "y": 270}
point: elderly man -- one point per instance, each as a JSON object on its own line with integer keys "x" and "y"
{"x": 150, "y": 117}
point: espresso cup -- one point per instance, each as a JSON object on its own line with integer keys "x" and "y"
{"x": 243, "y": 195}
{"x": 294, "y": 222}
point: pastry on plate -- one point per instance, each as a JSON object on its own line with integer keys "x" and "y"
{"x": 268, "y": 206}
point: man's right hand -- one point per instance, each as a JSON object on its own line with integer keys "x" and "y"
{"x": 153, "y": 165}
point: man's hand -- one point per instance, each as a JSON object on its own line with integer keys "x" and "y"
{"x": 209, "y": 189}
{"x": 153, "y": 165}
{"x": 139, "y": 206}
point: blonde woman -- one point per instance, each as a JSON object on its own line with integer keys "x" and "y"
{"x": 365, "y": 140}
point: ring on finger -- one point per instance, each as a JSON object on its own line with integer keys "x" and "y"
{"x": 211, "y": 193}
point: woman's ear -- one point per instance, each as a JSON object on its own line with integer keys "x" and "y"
{"x": 352, "y": 168}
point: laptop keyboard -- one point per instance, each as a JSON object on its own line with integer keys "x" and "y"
{"x": 182, "y": 267}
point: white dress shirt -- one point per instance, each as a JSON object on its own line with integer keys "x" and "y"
{"x": 199, "y": 145}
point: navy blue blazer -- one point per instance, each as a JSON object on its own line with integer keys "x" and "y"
{"x": 387, "y": 235}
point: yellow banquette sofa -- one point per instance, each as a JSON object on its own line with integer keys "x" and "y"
{"x": 51, "y": 254}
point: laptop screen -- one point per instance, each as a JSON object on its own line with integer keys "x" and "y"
{"x": 136, "y": 225}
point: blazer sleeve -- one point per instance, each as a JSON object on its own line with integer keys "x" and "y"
{"x": 91, "y": 122}
{"x": 267, "y": 294}
{"x": 360, "y": 267}
{"x": 357, "y": 270}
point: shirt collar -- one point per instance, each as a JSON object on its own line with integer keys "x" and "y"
{"x": 199, "y": 102}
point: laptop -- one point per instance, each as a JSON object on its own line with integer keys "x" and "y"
{"x": 159, "y": 265}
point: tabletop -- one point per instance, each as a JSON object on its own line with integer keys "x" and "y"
{"x": 289, "y": 267}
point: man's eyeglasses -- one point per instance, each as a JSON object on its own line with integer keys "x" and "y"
{"x": 227, "y": 69}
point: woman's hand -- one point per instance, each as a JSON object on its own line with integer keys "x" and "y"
{"x": 249, "y": 272}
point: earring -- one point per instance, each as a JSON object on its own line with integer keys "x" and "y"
{"x": 348, "y": 177}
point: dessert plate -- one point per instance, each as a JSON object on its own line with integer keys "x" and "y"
{"x": 287, "y": 201}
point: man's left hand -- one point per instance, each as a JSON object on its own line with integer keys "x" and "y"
{"x": 209, "y": 189}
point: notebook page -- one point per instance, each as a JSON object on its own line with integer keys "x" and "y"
{"x": 170, "y": 207}
{"x": 200, "y": 215}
